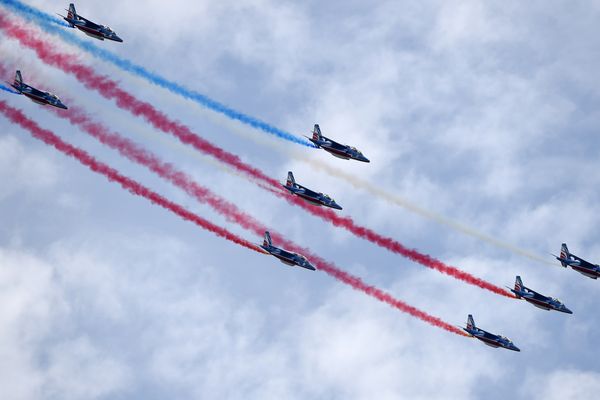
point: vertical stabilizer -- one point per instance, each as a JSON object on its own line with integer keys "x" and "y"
{"x": 518, "y": 286}
{"x": 564, "y": 254}
{"x": 470, "y": 322}
{"x": 71, "y": 13}
{"x": 267, "y": 241}
{"x": 290, "y": 179}
{"x": 316, "y": 132}
{"x": 18, "y": 78}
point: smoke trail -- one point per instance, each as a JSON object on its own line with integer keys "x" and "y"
{"x": 17, "y": 117}
{"x": 111, "y": 90}
{"x": 3, "y": 87}
{"x": 34, "y": 13}
{"x": 135, "y": 153}
{"x": 395, "y": 246}
{"x": 46, "y": 21}
{"x": 6, "y": 89}
{"x": 358, "y": 284}
{"x": 402, "y": 202}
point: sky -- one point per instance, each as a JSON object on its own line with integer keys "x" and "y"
{"x": 485, "y": 112}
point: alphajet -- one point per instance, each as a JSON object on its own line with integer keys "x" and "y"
{"x": 35, "y": 95}
{"x": 538, "y": 300}
{"x": 488, "y": 338}
{"x": 308, "y": 195}
{"x": 286, "y": 257}
{"x": 334, "y": 148}
{"x": 88, "y": 27}
{"x": 578, "y": 264}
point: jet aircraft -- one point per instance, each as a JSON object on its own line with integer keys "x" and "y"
{"x": 35, "y": 95}
{"x": 334, "y": 148}
{"x": 310, "y": 196}
{"x": 86, "y": 26}
{"x": 578, "y": 264}
{"x": 488, "y": 338}
{"x": 538, "y": 300}
{"x": 285, "y": 256}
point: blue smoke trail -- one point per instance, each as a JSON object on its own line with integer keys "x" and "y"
{"x": 36, "y": 13}
{"x": 48, "y": 23}
{"x": 6, "y": 89}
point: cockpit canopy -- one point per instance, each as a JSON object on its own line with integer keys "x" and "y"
{"x": 354, "y": 149}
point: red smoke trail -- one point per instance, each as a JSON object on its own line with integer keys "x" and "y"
{"x": 17, "y": 117}
{"x": 133, "y": 151}
{"x": 111, "y": 90}
{"x": 136, "y": 153}
{"x": 396, "y": 247}
{"x": 373, "y": 291}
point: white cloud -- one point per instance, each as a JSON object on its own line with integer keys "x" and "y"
{"x": 563, "y": 384}
{"x": 24, "y": 170}
{"x": 78, "y": 370}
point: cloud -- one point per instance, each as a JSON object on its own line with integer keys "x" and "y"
{"x": 78, "y": 370}
{"x": 21, "y": 170}
{"x": 563, "y": 384}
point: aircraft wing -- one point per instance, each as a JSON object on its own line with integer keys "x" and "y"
{"x": 89, "y": 23}
{"x": 585, "y": 264}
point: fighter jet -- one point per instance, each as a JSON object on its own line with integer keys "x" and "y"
{"x": 336, "y": 149}
{"x": 488, "y": 338}
{"x": 538, "y": 300}
{"x": 578, "y": 264}
{"x": 315, "y": 198}
{"x": 285, "y": 256}
{"x": 35, "y": 95}
{"x": 86, "y": 26}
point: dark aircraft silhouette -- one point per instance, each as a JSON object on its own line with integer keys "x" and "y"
{"x": 538, "y": 300}
{"x": 488, "y": 338}
{"x": 578, "y": 264}
{"x": 285, "y": 256}
{"x": 35, "y": 95}
{"x": 88, "y": 27}
{"x": 334, "y": 148}
{"x": 312, "y": 197}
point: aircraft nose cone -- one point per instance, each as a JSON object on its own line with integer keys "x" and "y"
{"x": 566, "y": 310}
{"x": 118, "y": 39}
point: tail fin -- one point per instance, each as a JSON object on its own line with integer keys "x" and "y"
{"x": 518, "y": 286}
{"x": 71, "y": 13}
{"x": 290, "y": 179}
{"x": 18, "y": 79}
{"x": 470, "y": 322}
{"x": 316, "y": 132}
{"x": 564, "y": 253}
{"x": 267, "y": 241}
